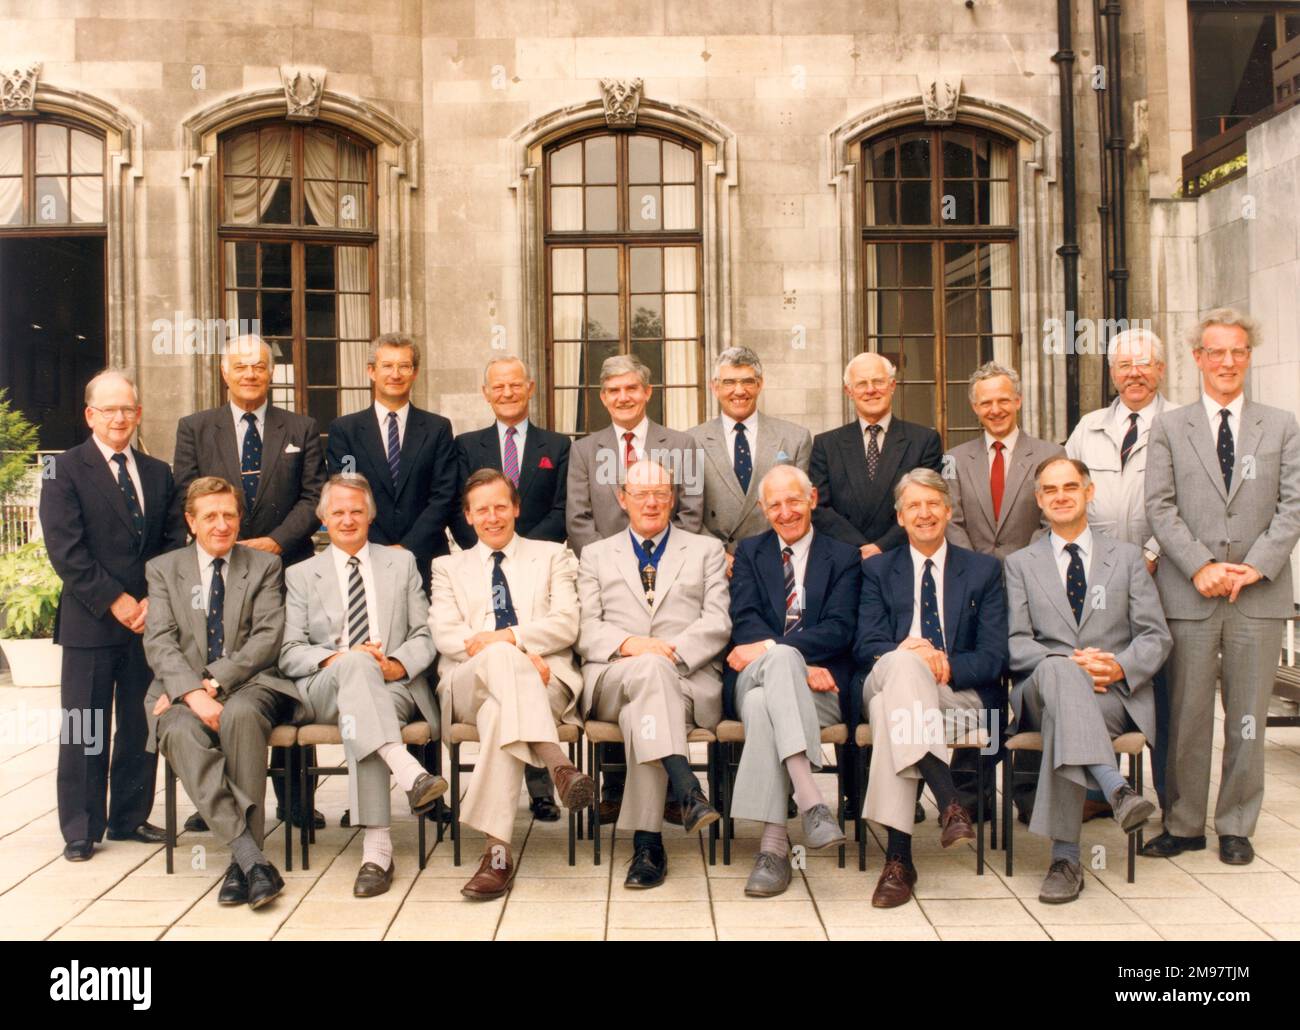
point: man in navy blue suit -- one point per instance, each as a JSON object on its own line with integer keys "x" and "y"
{"x": 932, "y": 641}
{"x": 794, "y": 605}
{"x": 105, "y": 511}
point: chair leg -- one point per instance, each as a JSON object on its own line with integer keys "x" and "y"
{"x": 841, "y": 756}
{"x": 1135, "y": 780}
{"x": 993, "y": 813}
{"x": 728, "y": 752}
{"x": 596, "y": 755}
{"x": 1007, "y": 818}
{"x": 714, "y": 779}
{"x": 979, "y": 817}
{"x": 573, "y": 821}
{"x": 859, "y": 801}
{"x": 575, "y": 756}
{"x": 169, "y": 803}
{"x": 287, "y": 778}
{"x": 303, "y": 791}
{"x": 455, "y": 803}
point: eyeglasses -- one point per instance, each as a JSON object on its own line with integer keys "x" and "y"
{"x": 641, "y": 496}
{"x": 1123, "y": 368}
{"x": 113, "y": 413}
{"x": 749, "y": 383}
{"x": 405, "y": 368}
{"x": 863, "y": 385}
{"x": 1217, "y": 356}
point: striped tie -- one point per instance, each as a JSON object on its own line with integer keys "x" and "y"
{"x": 510, "y": 457}
{"x": 793, "y": 608}
{"x": 394, "y": 446}
{"x": 358, "y": 622}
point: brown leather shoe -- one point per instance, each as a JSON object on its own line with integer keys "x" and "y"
{"x": 372, "y": 881}
{"x": 575, "y": 788}
{"x": 895, "y": 885}
{"x": 495, "y": 871}
{"x": 1095, "y": 810}
{"x": 673, "y": 812}
{"x": 955, "y": 825}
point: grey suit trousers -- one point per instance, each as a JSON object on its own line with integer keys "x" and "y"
{"x": 1249, "y": 649}
{"x": 224, "y": 773}
{"x": 1078, "y": 726}
{"x": 783, "y": 717}
{"x": 370, "y": 713}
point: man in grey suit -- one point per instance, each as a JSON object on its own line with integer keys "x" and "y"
{"x": 1087, "y": 636}
{"x": 654, "y": 619}
{"x": 1223, "y": 489}
{"x": 993, "y": 507}
{"x": 740, "y": 447}
{"x": 357, "y": 643}
{"x": 212, "y": 636}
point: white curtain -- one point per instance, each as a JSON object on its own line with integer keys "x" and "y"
{"x": 319, "y": 187}
{"x": 247, "y": 198}
{"x": 679, "y": 207}
{"x": 567, "y": 283}
{"x": 11, "y": 166}
{"x": 1000, "y": 254}
{"x": 353, "y": 279}
{"x": 681, "y": 361}
{"x": 566, "y": 208}
{"x": 567, "y": 361}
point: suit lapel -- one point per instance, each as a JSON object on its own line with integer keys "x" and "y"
{"x": 236, "y": 591}
{"x": 625, "y": 559}
{"x": 376, "y": 450}
{"x": 1247, "y": 444}
{"x": 528, "y": 460}
{"x": 816, "y": 577}
{"x": 155, "y": 503}
{"x": 674, "y": 558}
{"x": 106, "y": 483}
{"x": 327, "y": 583}
{"x": 1049, "y": 578}
{"x": 895, "y": 451}
{"x": 1100, "y": 570}
{"x": 272, "y": 445}
{"x": 854, "y": 456}
{"x": 715, "y": 446}
{"x": 1201, "y": 435}
{"x": 525, "y": 580}
{"x": 416, "y": 434}
{"x": 381, "y": 562}
{"x": 191, "y": 589}
{"x": 772, "y": 578}
{"x": 954, "y": 594}
{"x": 1023, "y": 460}
{"x": 977, "y": 460}
{"x": 225, "y": 443}
{"x": 902, "y": 587}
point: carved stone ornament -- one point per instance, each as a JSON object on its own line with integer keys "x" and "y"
{"x": 940, "y": 98}
{"x": 622, "y": 98}
{"x": 18, "y": 89}
{"x": 303, "y": 89}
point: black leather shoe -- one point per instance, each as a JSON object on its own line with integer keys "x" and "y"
{"x": 545, "y": 810}
{"x": 145, "y": 833}
{"x": 919, "y": 815}
{"x": 317, "y": 819}
{"x": 1167, "y": 845}
{"x": 1235, "y": 850}
{"x": 79, "y": 850}
{"x": 234, "y": 888}
{"x": 697, "y": 813}
{"x": 649, "y": 867}
{"x": 264, "y": 883}
{"x": 195, "y": 824}
{"x": 372, "y": 881}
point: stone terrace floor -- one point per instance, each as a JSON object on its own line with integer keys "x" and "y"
{"x": 125, "y": 893}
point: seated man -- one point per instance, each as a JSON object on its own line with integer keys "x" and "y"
{"x": 215, "y": 696}
{"x": 357, "y": 643}
{"x": 504, "y": 619}
{"x": 1087, "y": 636}
{"x": 654, "y": 619}
{"x": 932, "y": 638}
{"x": 794, "y": 607}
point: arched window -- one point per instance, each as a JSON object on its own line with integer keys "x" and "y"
{"x": 624, "y": 264}
{"x": 939, "y": 263}
{"x": 297, "y": 243}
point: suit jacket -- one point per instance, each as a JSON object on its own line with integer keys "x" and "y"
{"x": 1197, "y": 521}
{"x": 91, "y": 543}
{"x": 416, "y": 510}
{"x": 293, "y": 472}
{"x": 591, "y": 505}
{"x": 1123, "y": 618}
{"x": 850, "y": 505}
{"x": 832, "y": 585}
{"x": 974, "y": 619}
{"x": 973, "y": 525}
{"x": 175, "y": 636}
{"x": 544, "y": 592}
{"x": 315, "y": 620}
{"x": 690, "y": 610}
{"x": 543, "y": 470}
{"x": 730, "y": 514}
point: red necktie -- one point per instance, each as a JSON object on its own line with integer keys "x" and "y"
{"x": 997, "y": 479}
{"x": 629, "y": 455}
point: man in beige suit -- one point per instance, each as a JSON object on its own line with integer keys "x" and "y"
{"x": 654, "y": 621}
{"x": 504, "y": 619}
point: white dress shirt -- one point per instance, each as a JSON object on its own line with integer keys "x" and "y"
{"x": 368, "y": 584}
{"x": 382, "y": 413}
{"x": 1008, "y": 446}
{"x": 508, "y": 567}
{"x": 880, "y": 437}
{"x": 241, "y": 427}
{"x": 1212, "y": 409}
{"x": 521, "y": 434}
{"x": 751, "y": 434}
{"x": 131, "y": 469}
{"x": 918, "y": 570}
{"x": 638, "y": 441}
{"x": 1084, "y": 540}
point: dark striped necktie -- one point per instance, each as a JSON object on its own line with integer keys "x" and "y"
{"x": 793, "y": 605}
{"x": 1130, "y": 439}
{"x": 510, "y": 456}
{"x": 394, "y": 446}
{"x": 358, "y": 620}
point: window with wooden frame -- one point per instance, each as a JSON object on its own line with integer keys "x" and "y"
{"x": 297, "y": 243}
{"x": 623, "y": 256}
{"x": 939, "y": 284}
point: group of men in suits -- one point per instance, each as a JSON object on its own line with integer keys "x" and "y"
{"x": 743, "y": 567}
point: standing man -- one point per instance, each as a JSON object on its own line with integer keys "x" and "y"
{"x": 407, "y": 455}
{"x": 740, "y": 447}
{"x": 993, "y": 506}
{"x": 274, "y": 456}
{"x": 1087, "y": 636}
{"x": 654, "y": 621}
{"x": 1223, "y": 488}
{"x": 855, "y": 467}
{"x": 504, "y": 620}
{"x": 106, "y": 511}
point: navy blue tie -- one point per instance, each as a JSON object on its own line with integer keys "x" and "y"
{"x": 1227, "y": 452}
{"x": 250, "y": 461}
{"x": 503, "y": 608}
{"x": 743, "y": 461}
{"x": 1130, "y": 439}
{"x": 394, "y": 446}
{"x": 931, "y": 627}
{"x": 1076, "y": 583}
{"x": 132, "y": 499}
{"x": 216, "y": 610}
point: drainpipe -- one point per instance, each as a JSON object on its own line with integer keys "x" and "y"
{"x": 1116, "y": 146}
{"x": 1069, "y": 248}
{"x": 1103, "y": 180}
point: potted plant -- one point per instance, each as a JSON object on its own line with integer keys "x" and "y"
{"x": 29, "y": 599}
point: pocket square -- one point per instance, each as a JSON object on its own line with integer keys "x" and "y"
{"x": 292, "y": 448}
{"x": 782, "y": 457}
{"x": 545, "y": 463}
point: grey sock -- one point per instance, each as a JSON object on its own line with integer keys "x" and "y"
{"x": 1065, "y": 849}
{"x": 1108, "y": 778}
{"x": 246, "y": 852}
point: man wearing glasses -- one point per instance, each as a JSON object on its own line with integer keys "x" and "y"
{"x": 1223, "y": 490}
{"x": 740, "y": 447}
{"x": 106, "y": 510}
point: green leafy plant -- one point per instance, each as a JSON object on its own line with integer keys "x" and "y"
{"x": 18, "y": 440}
{"x": 29, "y": 593}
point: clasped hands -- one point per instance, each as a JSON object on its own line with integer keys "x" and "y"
{"x": 1100, "y": 665}
{"x": 820, "y": 679}
{"x": 390, "y": 667}
{"x": 480, "y": 640}
{"x": 202, "y": 702}
{"x": 1224, "y": 579}
{"x": 937, "y": 660}
{"x": 130, "y": 612}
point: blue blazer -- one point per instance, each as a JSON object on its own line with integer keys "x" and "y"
{"x": 974, "y": 619}
{"x": 543, "y": 476}
{"x": 831, "y": 589}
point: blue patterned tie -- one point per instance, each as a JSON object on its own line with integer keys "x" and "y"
{"x": 1130, "y": 439}
{"x": 503, "y": 608}
{"x": 250, "y": 462}
{"x": 394, "y": 446}
{"x": 931, "y": 628}
{"x": 510, "y": 457}
{"x": 1076, "y": 584}
{"x": 793, "y": 604}
{"x": 132, "y": 499}
{"x": 743, "y": 461}
{"x": 358, "y": 618}
{"x": 216, "y": 612}
{"x": 1227, "y": 452}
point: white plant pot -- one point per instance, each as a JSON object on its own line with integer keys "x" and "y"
{"x": 34, "y": 663}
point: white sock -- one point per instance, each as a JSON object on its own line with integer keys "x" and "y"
{"x": 406, "y": 770}
{"x": 377, "y": 846}
{"x": 806, "y": 793}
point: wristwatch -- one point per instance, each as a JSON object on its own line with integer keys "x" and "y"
{"x": 769, "y": 644}
{"x": 1150, "y": 555}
